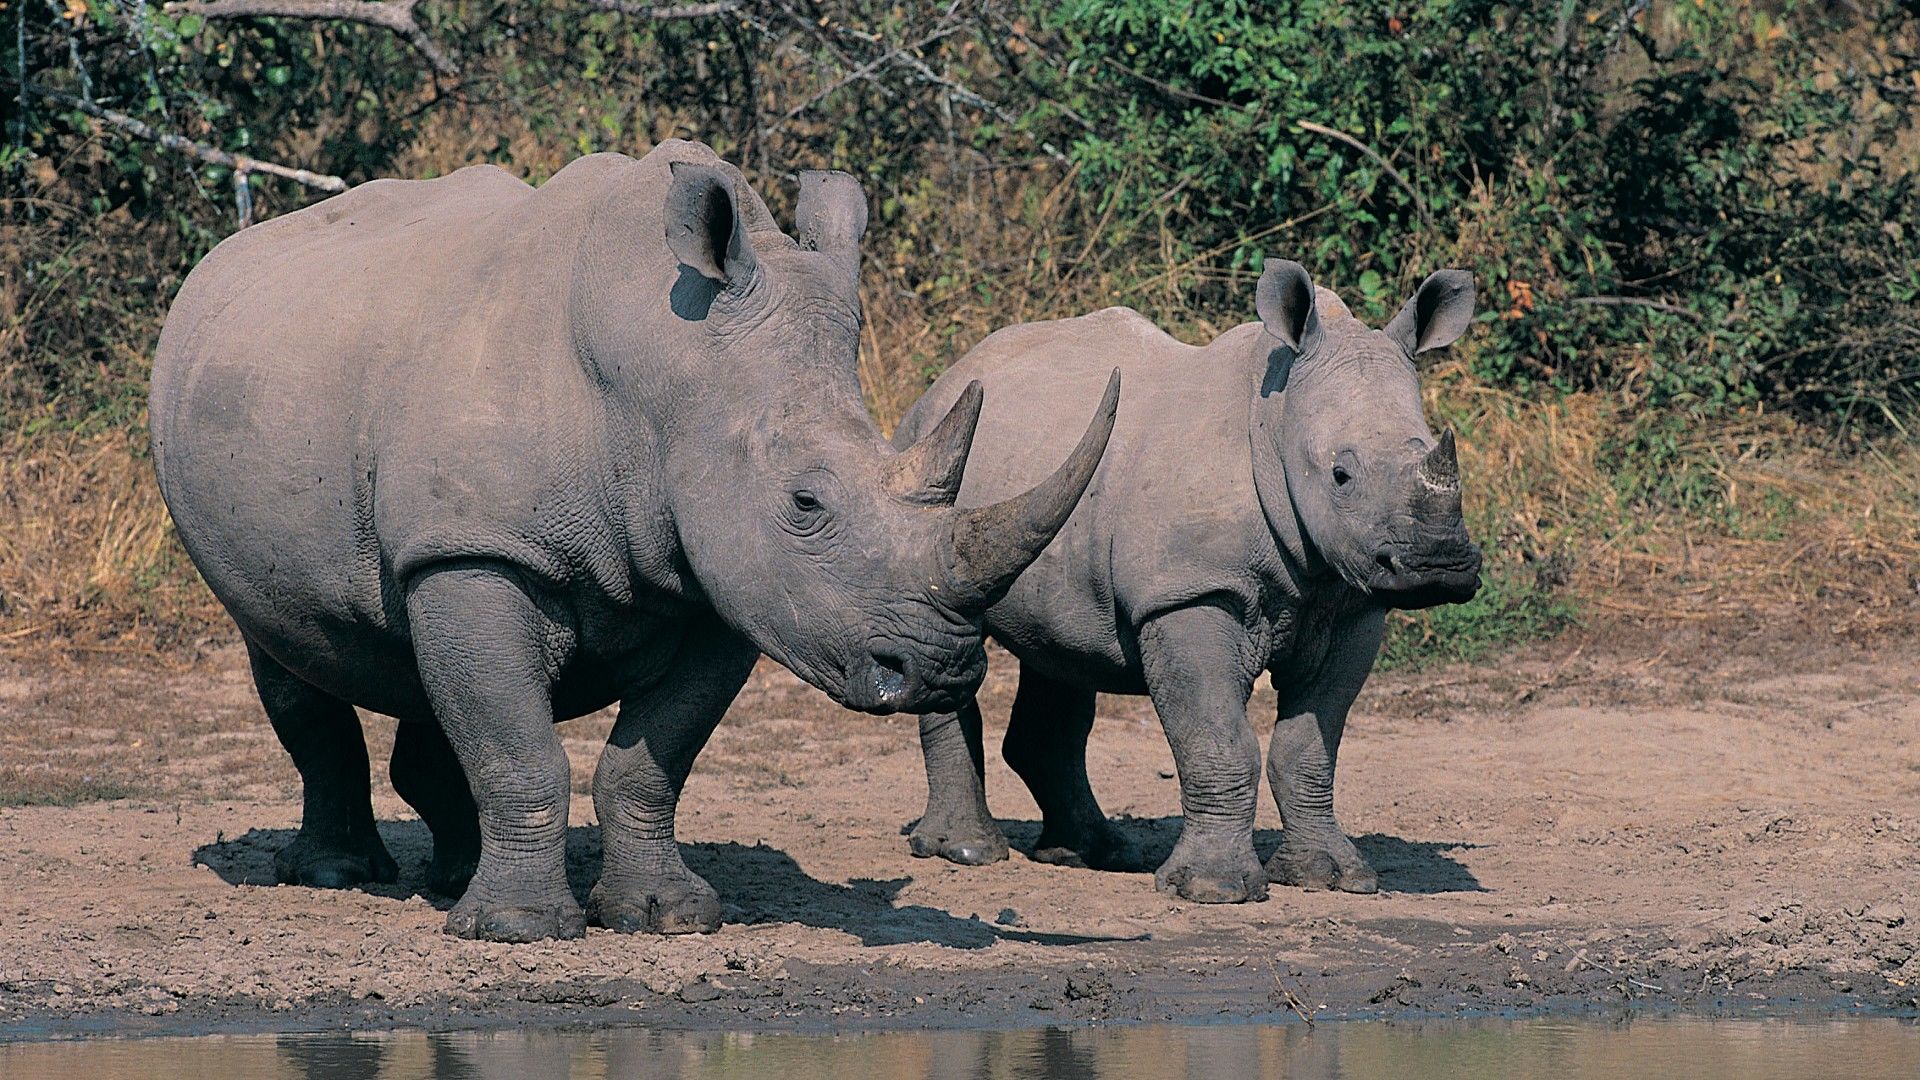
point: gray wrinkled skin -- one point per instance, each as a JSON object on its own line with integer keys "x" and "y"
{"x": 484, "y": 457}
{"x": 1264, "y": 501}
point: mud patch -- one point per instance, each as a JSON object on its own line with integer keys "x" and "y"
{"x": 1617, "y": 833}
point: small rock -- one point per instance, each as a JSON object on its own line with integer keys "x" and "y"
{"x": 1081, "y": 987}
{"x": 1009, "y": 917}
{"x": 1885, "y": 913}
{"x": 697, "y": 991}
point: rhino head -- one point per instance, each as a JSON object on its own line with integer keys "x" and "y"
{"x": 835, "y": 554}
{"x": 1375, "y": 495}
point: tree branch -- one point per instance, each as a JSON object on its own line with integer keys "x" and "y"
{"x": 395, "y": 16}
{"x": 1636, "y": 301}
{"x": 961, "y": 93}
{"x": 639, "y": 10}
{"x": 181, "y": 144}
{"x": 1341, "y": 136}
{"x": 866, "y": 70}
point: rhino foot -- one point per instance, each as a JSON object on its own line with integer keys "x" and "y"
{"x": 1321, "y": 865}
{"x": 1213, "y": 873}
{"x": 674, "y": 905}
{"x": 972, "y": 843}
{"x": 516, "y": 922}
{"x": 1097, "y": 847}
{"x": 321, "y": 865}
{"x": 1322, "y": 868}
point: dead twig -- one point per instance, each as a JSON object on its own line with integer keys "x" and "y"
{"x": 1419, "y": 204}
{"x": 1552, "y": 678}
{"x": 986, "y": 105}
{"x": 181, "y": 144}
{"x": 395, "y": 16}
{"x": 1291, "y": 1000}
{"x": 662, "y": 14}
{"x": 242, "y": 165}
{"x": 866, "y": 70}
{"x": 1636, "y": 301}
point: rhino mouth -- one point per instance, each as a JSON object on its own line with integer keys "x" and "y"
{"x": 891, "y": 679}
{"x": 1410, "y": 582}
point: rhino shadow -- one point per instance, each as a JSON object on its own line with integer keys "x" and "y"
{"x": 757, "y": 885}
{"x": 1405, "y": 866}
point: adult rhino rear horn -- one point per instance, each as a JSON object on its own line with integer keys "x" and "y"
{"x": 930, "y": 470}
{"x": 990, "y": 545}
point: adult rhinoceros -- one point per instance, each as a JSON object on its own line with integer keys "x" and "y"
{"x": 467, "y": 451}
{"x": 1265, "y": 500}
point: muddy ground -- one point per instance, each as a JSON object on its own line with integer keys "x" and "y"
{"x": 1654, "y": 818}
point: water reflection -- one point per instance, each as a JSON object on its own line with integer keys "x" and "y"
{"x": 1555, "y": 1049}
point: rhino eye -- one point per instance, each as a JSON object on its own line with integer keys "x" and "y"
{"x": 805, "y": 502}
{"x": 1341, "y": 477}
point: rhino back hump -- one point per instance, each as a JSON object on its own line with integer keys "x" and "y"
{"x": 373, "y": 382}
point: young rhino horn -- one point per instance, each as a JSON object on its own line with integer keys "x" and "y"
{"x": 930, "y": 470}
{"x": 1440, "y": 469}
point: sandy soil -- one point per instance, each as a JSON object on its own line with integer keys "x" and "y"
{"x": 1659, "y": 820}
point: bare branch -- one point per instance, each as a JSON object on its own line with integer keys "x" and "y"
{"x": 181, "y": 144}
{"x": 1341, "y": 136}
{"x": 683, "y": 11}
{"x": 1636, "y": 301}
{"x": 1169, "y": 89}
{"x": 395, "y": 16}
{"x": 961, "y": 93}
{"x": 866, "y": 70}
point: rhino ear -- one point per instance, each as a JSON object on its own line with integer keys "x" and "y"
{"x": 705, "y": 228}
{"x": 830, "y": 215}
{"x": 1436, "y": 315}
{"x": 1284, "y": 299}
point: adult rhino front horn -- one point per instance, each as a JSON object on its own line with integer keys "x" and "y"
{"x": 483, "y": 457}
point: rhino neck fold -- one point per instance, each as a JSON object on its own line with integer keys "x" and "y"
{"x": 1268, "y": 412}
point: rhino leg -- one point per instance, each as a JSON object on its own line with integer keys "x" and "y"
{"x": 644, "y": 884}
{"x": 1046, "y": 744}
{"x": 1200, "y": 667}
{"x": 338, "y": 846}
{"x": 427, "y": 775}
{"x": 957, "y": 826}
{"x": 1314, "y": 852}
{"x": 487, "y": 648}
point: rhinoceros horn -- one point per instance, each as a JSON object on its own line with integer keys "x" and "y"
{"x": 990, "y": 545}
{"x": 1440, "y": 469}
{"x": 929, "y": 471}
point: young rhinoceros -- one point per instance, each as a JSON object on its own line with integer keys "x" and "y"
{"x": 463, "y": 451}
{"x": 1264, "y": 501}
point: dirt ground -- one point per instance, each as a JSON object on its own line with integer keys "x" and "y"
{"x": 1654, "y": 818}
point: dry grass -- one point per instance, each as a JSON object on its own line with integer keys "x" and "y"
{"x": 87, "y": 555}
{"x": 1795, "y": 531}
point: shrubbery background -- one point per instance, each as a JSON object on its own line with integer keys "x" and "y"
{"x": 1693, "y": 224}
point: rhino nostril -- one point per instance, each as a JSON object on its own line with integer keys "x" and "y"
{"x": 1387, "y": 563}
{"x": 889, "y": 675}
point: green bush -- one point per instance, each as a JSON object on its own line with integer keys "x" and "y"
{"x": 1726, "y": 186}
